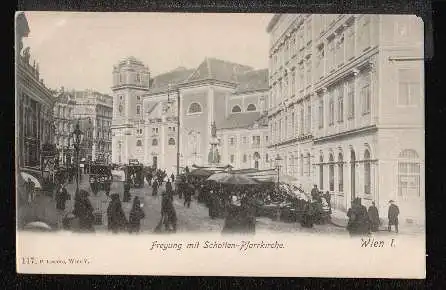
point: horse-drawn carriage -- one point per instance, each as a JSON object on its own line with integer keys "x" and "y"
{"x": 100, "y": 177}
{"x": 134, "y": 174}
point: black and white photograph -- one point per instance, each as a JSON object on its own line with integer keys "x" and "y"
{"x": 204, "y": 137}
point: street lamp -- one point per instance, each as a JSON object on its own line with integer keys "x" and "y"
{"x": 78, "y": 136}
{"x": 278, "y": 159}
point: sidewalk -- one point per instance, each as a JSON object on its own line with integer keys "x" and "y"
{"x": 43, "y": 209}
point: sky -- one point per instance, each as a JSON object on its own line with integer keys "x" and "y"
{"x": 77, "y": 50}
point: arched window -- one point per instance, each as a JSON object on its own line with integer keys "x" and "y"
{"x": 154, "y": 142}
{"x": 138, "y": 143}
{"x": 171, "y": 141}
{"x": 341, "y": 172}
{"x": 408, "y": 174}
{"x": 138, "y": 109}
{"x": 251, "y": 107}
{"x": 266, "y": 157}
{"x": 321, "y": 172}
{"x": 194, "y": 108}
{"x": 244, "y": 158}
{"x": 367, "y": 174}
{"x": 256, "y": 156}
{"x": 236, "y": 109}
{"x": 331, "y": 172}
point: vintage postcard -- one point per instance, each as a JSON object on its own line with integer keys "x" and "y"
{"x": 220, "y": 144}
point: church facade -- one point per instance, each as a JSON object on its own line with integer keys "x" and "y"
{"x": 145, "y": 110}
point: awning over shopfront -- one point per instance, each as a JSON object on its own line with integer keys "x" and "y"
{"x": 27, "y": 176}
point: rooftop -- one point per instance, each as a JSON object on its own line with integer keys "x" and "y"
{"x": 240, "y": 120}
{"x": 217, "y": 69}
{"x": 162, "y": 81}
{"x": 252, "y": 81}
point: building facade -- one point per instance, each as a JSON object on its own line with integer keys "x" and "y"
{"x": 34, "y": 106}
{"x": 63, "y": 124}
{"x": 145, "y": 114}
{"x": 346, "y": 107}
{"x": 244, "y": 134}
{"x": 94, "y": 111}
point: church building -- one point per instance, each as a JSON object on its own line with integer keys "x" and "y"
{"x": 145, "y": 111}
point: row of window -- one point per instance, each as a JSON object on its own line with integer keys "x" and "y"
{"x": 329, "y": 54}
{"x": 237, "y": 109}
{"x": 244, "y": 159}
{"x": 289, "y": 125}
{"x": 255, "y": 140}
{"x": 171, "y": 141}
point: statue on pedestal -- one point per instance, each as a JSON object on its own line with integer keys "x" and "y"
{"x": 213, "y": 156}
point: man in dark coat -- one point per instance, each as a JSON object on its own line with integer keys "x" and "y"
{"x": 135, "y": 216}
{"x": 327, "y": 197}
{"x": 172, "y": 177}
{"x": 149, "y": 178}
{"x": 315, "y": 193}
{"x": 188, "y": 195}
{"x": 126, "y": 192}
{"x": 373, "y": 217}
{"x": 168, "y": 213}
{"x": 358, "y": 223}
{"x": 154, "y": 188}
{"x": 169, "y": 187}
{"x": 393, "y": 213}
{"x": 83, "y": 210}
{"x": 61, "y": 197}
{"x": 117, "y": 221}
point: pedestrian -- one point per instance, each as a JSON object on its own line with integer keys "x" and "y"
{"x": 213, "y": 204}
{"x": 154, "y": 188}
{"x": 308, "y": 215}
{"x": 327, "y": 197}
{"x": 61, "y": 197}
{"x": 315, "y": 193}
{"x": 358, "y": 223}
{"x": 374, "y": 217}
{"x": 188, "y": 196}
{"x": 168, "y": 213}
{"x": 117, "y": 221}
{"x": 172, "y": 177}
{"x": 126, "y": 191}
{"x": 83, "y": 210}
{"x": 168, "y": 186}
{"x": 149, "y": 178}
{"x": 135, "y": 216}
{"x": 393, "y": 213}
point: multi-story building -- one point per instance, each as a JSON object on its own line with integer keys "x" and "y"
{"x": 346, "y": 106}
{"x": 63, "y": 124}
{"x": 244, "y": 133}
{"x": 94, "y": 112}
{"x": 145, "y": 110}
{"x": 34, "y": 107}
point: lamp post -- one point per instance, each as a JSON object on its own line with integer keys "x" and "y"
{"x": 278, "y": 159}
{"x": 78, "y": 136}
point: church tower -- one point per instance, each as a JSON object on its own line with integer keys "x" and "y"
{"x": 130, "y": 82}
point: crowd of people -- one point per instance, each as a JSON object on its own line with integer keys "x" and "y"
{"x": 238, "y": 205}
{"x": 363, "y": 221}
